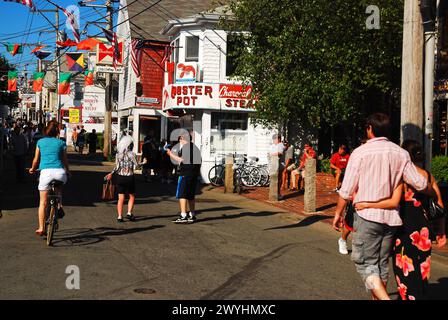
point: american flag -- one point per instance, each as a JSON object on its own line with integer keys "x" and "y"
{"x": 72, "y": 19}
{"x": 167, "y": 54}
{"x": 28, "y": 3}
{"x": 136, "y": 55}
{"x": 113, "y": 39}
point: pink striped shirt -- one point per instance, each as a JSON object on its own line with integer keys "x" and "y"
{"x": 374, "y": 171}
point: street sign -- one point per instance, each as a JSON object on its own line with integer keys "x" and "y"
{"x": 74, "y": 115}
{"x": 147, "y": 100}
{"x": 107, "y": 69}
{"x": 28, "y": 98}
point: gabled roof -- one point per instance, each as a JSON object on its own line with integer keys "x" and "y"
{"x": 148, "y": 24}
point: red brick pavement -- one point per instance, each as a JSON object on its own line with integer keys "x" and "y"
{"x": 326, "y": 198}
{"x": 325, "y": 201}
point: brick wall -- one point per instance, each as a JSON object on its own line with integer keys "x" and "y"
{"x": 152, "y": 73}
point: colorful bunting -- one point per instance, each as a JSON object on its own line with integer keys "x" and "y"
{"x": 66, "y": 43}
{"x": 14, "y": 49}
{"x": 37, "y": 49}
{"x": 64, "y": 83}
{"x": 88, "y": 44}
{"x": 38, "y": 81}
{"x": 75, "y": 61}
{"x": 88, "y": 81}
{"x": 12, "y": 80}
{"x": 42, "y": 54}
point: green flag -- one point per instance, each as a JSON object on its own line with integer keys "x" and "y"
{"x": 12, "y": 80}
{"x": 64, "y": 83}
{"x": 38, "y": 81}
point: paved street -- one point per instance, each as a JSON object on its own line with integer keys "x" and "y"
{"x": 238, "y": 249}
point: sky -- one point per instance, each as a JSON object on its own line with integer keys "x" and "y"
{"x": 16, "y": 22}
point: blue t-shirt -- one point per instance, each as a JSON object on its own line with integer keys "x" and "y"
{"x": 51, "y": 150}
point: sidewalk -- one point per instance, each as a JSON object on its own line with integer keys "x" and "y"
{"x": 325, "y": 203}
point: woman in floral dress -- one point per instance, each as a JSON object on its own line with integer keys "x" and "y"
{"x": 412, "y": 250}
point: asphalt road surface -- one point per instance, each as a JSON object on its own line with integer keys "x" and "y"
{"x": 238, "y": 249}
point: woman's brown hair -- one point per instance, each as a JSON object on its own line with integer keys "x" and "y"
{"x": 52, "y": 129}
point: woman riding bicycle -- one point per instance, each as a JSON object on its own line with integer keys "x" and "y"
{"x": 51, "y": 157}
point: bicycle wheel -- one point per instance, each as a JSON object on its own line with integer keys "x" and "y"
{"x": 250, "y": 177}
{"x": 51, "y": 225}
{"x": 216, "y": 175}
{"x": 264, "y": 181}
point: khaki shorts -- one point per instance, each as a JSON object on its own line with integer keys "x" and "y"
{"x": 371, "y": 247}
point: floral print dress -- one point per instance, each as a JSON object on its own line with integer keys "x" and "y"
{"x": 412, "y": 251}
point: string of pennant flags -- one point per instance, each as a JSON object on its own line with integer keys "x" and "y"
{"x": 75, "y": 60}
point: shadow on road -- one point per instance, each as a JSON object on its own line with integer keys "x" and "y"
{"x": 83, "y": 189}
{"x": 237, "y": 216}
{"x": 303, "y": 223}
{"x": 83, "y": 237}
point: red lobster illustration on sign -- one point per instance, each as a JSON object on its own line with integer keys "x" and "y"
{"x": 186, "y": 69}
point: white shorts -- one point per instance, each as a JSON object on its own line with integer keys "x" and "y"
{"x": 48, "y": 175}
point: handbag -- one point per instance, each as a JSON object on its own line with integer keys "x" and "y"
{"x": 108, "y": 191}
{"x": 435, "y": 210}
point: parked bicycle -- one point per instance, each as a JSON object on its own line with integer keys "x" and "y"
{"x": 247, "y": 172}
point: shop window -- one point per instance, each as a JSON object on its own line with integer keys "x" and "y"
{"x": 229, "y": 121}
{"x": 228, "y": 133}
{"x": 192, "y": 48}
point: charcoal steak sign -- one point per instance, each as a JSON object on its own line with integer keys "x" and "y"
{"x": 208, "y": 96}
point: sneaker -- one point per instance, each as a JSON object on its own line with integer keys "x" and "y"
{"x": 191, "y": 218}
{"x": 61, "y": 213}
{"x": 120, "y": 219}
{"x": 342, "y": 246}
{"x": 181, "y": 220}
{"x": 130, "y": 217}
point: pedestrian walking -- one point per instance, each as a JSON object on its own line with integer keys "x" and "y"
{"x": 51, "y": 159}
{"x": 188, "y": 158}
{"x": 125, "y": 164}
{"x": 75, "y": 139}
{"x": 338, "y": 164}
{"x": 374, "y": 171}
{"x": 81, "y": 140}
{"x": 19, "y": 151}
{"x": 63, "y": 133}
{"x": 92, "y": 141}
{"x": 412, "y": 249}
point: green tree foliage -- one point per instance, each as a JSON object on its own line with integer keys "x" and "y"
{"x": 314, "y": 61}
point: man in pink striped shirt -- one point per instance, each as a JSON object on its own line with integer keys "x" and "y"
{"x": 374, "y": 170}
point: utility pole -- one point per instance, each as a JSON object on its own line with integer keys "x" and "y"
{"x": 58, "y": 68}
{"x": 108, "y": 93}
{"x": 412, "y": 73}
{"x": 428, "y": 12}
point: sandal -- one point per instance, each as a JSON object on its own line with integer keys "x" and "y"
{"x": 40, "y": 233}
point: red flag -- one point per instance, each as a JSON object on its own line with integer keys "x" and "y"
{"x": 67, "y": 43}
{"x": 88, "y": 44}
{"x": 37, "y": 49}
